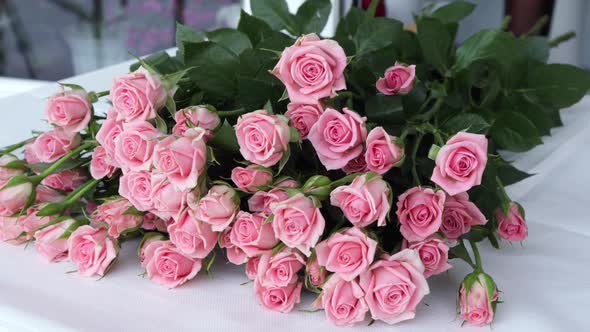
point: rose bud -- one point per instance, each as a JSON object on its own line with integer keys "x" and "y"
{"x": 137, "y": 188}
{"x": 356, "y": 165}
{"x": 252, "y": 234}
{"x": 343, "y": 301}
{"x": 117, "y": 217}
{"x": 251, "y": 178}
{"x": 50, "y": 241}
{"x": 286, "y": 182}
{"x": 512, "y": 226}
{"x": 196, "y": 116}
{"x": 54, "y": 144}
{"x": 92, "y": 250}
{"x": 219, "y": 207}
{"x": 167, "y": 201}
{"x": 459, "y": 215}
{"x": 383, "y": 153}
{"x": 398, "y": 79}
{"x": 45, "y": 194}
{"x": 191, "y": 236}
{"x": 478, "y": 297}
{"x": 318, "y": 186}
{"x": 31, "y": 155}
{"x": 303, "y": 116}
{"x": 398, "y": 277}
{"x": 276, "y": 298}
{"x": 11, "y": 230}
{"x": 153, "y": 222}
{"x": 14, "y": 195}
{"x": 181, "y": 159}
{"x": 312, "y": 69}
{"x": 66, "y": 181}
{"x": 107, "y": 135}
{"x": 279, "y": 269}
{"x": 315, "y": 274}
{"x": 419, "y": 211}
{"x": 461, "y": 162}
{"x": 70, "y": 110}
{"x": 298, "y": 223}
{"x": 234, "y": 254}
{"x": 138, "y": 96}
{"x": 31, "y": 222}
{"x": 134, "y": 147}
{"x": 167, "y": 266}
{"x": 434, "y": 254}
{"x": 261, "y": 200}
{"x": 364, "y": 201}
{"x": 348, "y": 253}
{"x": 263, "y": 137}
{"x": 252, "y": 267}
{"x": 99, "y": 165}
{"x": 8, "y": 173}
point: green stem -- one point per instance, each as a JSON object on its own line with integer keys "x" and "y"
{"x": 102, "y": 93}
{"x": 478, "y": 265}
{"x": 414, "y": 152}
{"x": 437, "y": 105}
{"x": 505, "y": 22}
{"x": 79, "y": 192}
{"x": 537, "y": 27}
{"x": 238, "y": 111}
{"x": 560, "y": 39}
{"x": 467, "y": 258}
{"x": 15, "y": 146}
{"x": 38, "y": 178}
{"x": 345, "y": 180}
{"x": 372, "y": 8}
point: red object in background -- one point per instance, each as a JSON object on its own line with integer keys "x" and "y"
{"x": 380, "y": 12}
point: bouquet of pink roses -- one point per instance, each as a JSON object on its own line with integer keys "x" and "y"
{"x": 354, "y": 167}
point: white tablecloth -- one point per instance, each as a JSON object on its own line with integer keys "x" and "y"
{"x": 545, "y": 282}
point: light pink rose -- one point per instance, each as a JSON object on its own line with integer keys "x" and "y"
{"x": 434, "y": 254}
{"x": 99, "y": 166}
{"x": 282, "y": 299}
{"x": 45, "y": 194}
{"x": 251, "y": 234}
{"x": 195, "y": 116}
{"x": 476, "y": 306}
{"x": 249, "y": 179}
{"x": 312, "y": 69}
{"x": 145, "y": 242}
{"x": 107, "y": 135}
{"x": 70, "y": 110}
{"x": 191, "y": 236}
{"x": 263, "y": 137}
{"x": 134, "y": 147}
{"x": 234, "y": 254}
{"x": 383, "y": 153}
{"x": 66, "y": 181}
{"x": 13, "y": 199}
{"x": 461, "y": 162}
{"x": 337, "y": 138}
{"x": 261, "y": 200}
{"x": 394, "y": 285}
{"x": 181, "y": 159}
{"x": 279, "y": 269}
{"x": 459, "y": 215}
{"x": 8, "y": 173}
{"x": 11, "y": 230}
{"x": 137, "y": 96}
{"x": 303, "y": 116}
{"x": 54, "y": 144}
{"x": 363, "y": 201}
{"x": 115, "y": 216}
{"x": 286, "y": 183}
{"x": 348, "y": 253}
{"x": 31, "y": 221}
{"x": 167, "y": 202}
{"x": 419, "y": 211}
{"x": 153, "y": 222}
{"x": 356, "y": 165}
{"x": 398, "y": 79}
{"x": 137, "y": 188}
{"x": 219, "y": 207}
{"x": 343, "y": 301}
{"x": 168, "y": 266}
{"x": 49, "y": 242}
{"x": 315, "y": 273}
{"x": 298, "y": 223}
{"x": 512, "y": 226}
{"x": 92, "y": 250}
{"x": 252, "y": 267}
{"x": 30, "y": 155}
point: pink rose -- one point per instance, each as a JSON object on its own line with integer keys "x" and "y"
{"x": 99, "y": 165}
{"x": 137, "y": 96}
{"x": 263, "y": 137}
{"x": 364, "y": 201}
{"x": 287, "y": 183}
{"x": 167, "y": 266}
{"x": 512, "y": 226}
{"x": 315, "y": 274}
{"x": 107, "y": 136}
{"x": 234, "y": 254}
{"x": 312, "y": 69}
{"x": 303, "y": 116}
{"x": 251, "y": 234}
{"x": 66, "y": 181}
{"x": 348, "y": 253}
{"x": 70, "y": 110}
{"x": 434, "y": 254}
{"x": 147, "y": 239}
{"x": 54, "y": 144}
{"x": 181, "y": 159}
{"x": 343, "y": 301}
{"x": 219, "y": 207}
{"x": 398, "y": 79}
{"x": 383, "y": 153}
{"x": 279, "y": 269}
{"x": 419, "y": 211}
{"x": 191, "y": 236}
{"x": 298, "y": 223}
{"x": 261, "y": 200}
{"x": 92, "y": 250}
{"x": 50, "y": 243}
{"x": 356, "y": 165}
{"x": 45, "y": 194}
{"x": 276, "y": 298}
{"x": 195, "y": 116}
{"x": 153, "y": 222}
{"x": 117, "y": 218}
{"x": 134, "y": 147}
{"x": 461, "y": 162}
{"x": 249, "y": 179}
{"x": 11, "y": 230}
{"x": 252, "y": 267}
{"x": 476, "y": 304}
{"x": 31, "y": 155}
{"x": 137, "y": 188}
{"x": 31, "y": 222}
{"x": 459, "y": 215}
{"x": 8, "y": 173}
{"x": 14, "y": 198}
{"x": 167, "y": 202}
{"x": 394, "y": 285}
{"x": 337, "y": 138}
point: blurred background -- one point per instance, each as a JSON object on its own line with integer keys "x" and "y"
{"x": 54, "y": 39}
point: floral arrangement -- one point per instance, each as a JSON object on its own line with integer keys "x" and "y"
{"x": 355, "y": 167}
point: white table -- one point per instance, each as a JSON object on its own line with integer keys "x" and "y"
{"x": 545, "y": 283}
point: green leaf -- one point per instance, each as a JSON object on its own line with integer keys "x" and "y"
{"x": 161, "y": 125}
{"x": 469, "y": 122}
{"x": 159, "y": 62}
{"x": 507, "y": 173}
{"x": 256, "y": 29}
{"x": 435, "y": 42}
{"x": 459, "y": 251}
{"x": 225, "y": 138}
{"x": 374, "y": 34}
{"x": 385, "y": 109}
{"x": 513, "y": 131}
{"x": 486, "y": 45}
{"x": 234, "y": 40}
{"x": 185, "y": 34}
{"x": 215, "y": 68}
{"x": 67, "y": 165}
{"x": 559, "y": 85}
{"x": 275, "y": 13}
{"x": 72, "y": 86}
{"x": 284, "y": 160}
{"x": 312, "y": 15}
{"x": 454, "y": 11}
{"x": 535, "y": 48}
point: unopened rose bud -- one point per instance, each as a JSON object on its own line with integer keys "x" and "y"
{"x": 512, "y": 226}
{"x": 478, "y": 297}
{"x": 15, "y": 195}
{"x": 317, "y": 181}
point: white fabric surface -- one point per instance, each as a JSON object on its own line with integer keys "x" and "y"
{"x": 545, "y": 282}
